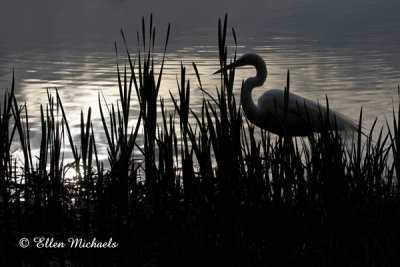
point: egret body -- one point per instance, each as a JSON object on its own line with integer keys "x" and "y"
{"x": 302, "y": 116}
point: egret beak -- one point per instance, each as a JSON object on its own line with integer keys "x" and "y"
{"x": 227, "y": 67}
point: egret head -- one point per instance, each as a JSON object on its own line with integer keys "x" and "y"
{"x": 245, "y": 59}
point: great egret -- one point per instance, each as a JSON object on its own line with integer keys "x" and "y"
{"x": 303, "y": 116}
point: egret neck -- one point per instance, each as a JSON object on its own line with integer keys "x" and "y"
{"x": 251, "y": 110}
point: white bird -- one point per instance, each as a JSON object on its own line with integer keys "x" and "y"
{"x": 303, "y": 116}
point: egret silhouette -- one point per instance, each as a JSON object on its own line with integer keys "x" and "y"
{"x": 295, "y": 116}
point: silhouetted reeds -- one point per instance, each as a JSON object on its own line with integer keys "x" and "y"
{"x": 210, "y": 189}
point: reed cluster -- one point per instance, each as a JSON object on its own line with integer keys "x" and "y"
{"x": 214, "y": 192}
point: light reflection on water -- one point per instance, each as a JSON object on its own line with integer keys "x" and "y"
{"x": 351, "y": 78}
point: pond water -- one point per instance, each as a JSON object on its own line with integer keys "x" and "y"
{"x": 347, "y": 50}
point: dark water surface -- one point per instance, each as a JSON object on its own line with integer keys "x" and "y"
{"x": 348, "y": 50}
